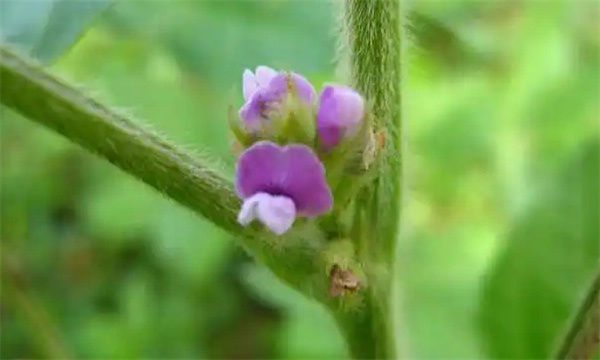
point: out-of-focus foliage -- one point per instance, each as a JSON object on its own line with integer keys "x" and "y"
{"x": 498, "y": 238}
{"x": 531, "y": 291}
{"x": 46, "y": 28}
{"x": 499, "y": 241}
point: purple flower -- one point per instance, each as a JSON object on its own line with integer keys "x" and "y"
{"x": 341, "y": 110}
{"x": 280, "y": 183}
{"x": 264, "y": 91}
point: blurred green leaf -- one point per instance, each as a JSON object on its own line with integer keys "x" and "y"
{"x": 191, "y": 248}
{"x": 550, "y": 256}
{"x": 309, "y": 331}
{"x": 120, "y": 207}
{"x": 439, "y": 41}
{"x": 46, "y": 28}
{"x": 303, "y": 41}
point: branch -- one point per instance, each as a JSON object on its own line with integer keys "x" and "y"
{"x": 47, "y": 100}
{"x": 147, "y": 156}
{"x": 583, "y": 334}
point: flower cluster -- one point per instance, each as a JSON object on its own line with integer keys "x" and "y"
{"x": 291, "y": 135}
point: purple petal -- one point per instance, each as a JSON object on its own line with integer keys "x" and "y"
{"x": 251, "y": 112}
{"x": 264, "y": 74}
{"x": 265, "y": 90}
{"x": 263, "y": 99}
{"x": 341, "y": 109}
{"x": 304, "y": 89}
{"x": 275, "y": 212}
{"x": 293, "y": 170}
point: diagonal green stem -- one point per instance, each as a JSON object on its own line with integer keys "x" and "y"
{"x": 582, "y": 338}
{"x": 47, "y": 100}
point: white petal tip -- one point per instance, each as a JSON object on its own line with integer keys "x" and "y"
{"x": 277, "y": 213}
{"x": 248, "y": 84}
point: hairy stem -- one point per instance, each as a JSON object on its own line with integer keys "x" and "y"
{"x": 373, "y": 36}
{"x": 372, "y": 39}
{"x": 582, "y": 338}
{"x": 45, "y": 99}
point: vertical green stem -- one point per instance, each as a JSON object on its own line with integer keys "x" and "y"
{"x": 372, "y": 39}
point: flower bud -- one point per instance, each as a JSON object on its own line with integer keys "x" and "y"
{"x": 266, "y": 93}
{"x": 341, "y": 110}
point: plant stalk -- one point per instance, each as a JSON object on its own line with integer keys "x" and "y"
{"x": 371, "y": 39}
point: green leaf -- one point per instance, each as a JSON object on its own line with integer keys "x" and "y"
{"x": 438, "y": 40}
{"x": 190, "y": 247}
{"x": 300, "y": 42}
{"x": 308, "y": 332}
{"x": 47, "y": 28}
{"x": 548, "y": 262}
{"x": 119, "y": 207}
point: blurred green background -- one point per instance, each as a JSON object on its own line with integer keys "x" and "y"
{"x": 500, "y": 230}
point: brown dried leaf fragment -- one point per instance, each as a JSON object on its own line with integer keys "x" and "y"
{"x": 341, "y": 280}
